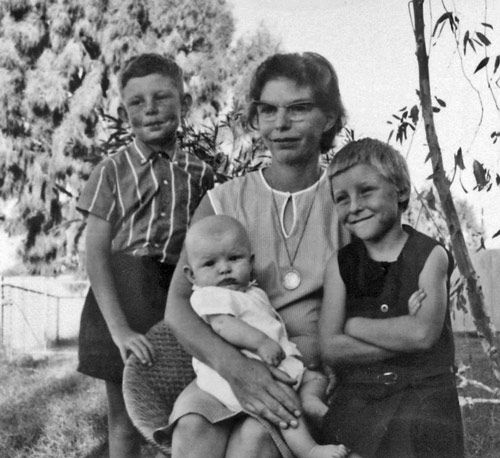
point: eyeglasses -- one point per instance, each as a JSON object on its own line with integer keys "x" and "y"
{"x": 297, "y": 111}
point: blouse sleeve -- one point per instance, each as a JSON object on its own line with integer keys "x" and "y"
{"x": 213, "y": 300}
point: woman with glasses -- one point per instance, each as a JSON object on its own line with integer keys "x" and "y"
{"x": 287, "y": 209}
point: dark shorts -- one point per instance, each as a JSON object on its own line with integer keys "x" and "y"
{"x": 142, "y": 286}
{"x": 392, "y": 422}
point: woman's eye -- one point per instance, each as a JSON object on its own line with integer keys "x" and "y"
{"x": 300, "y": 108}
{"x": 267, "y": 109}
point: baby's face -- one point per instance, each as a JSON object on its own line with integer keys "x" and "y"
{"x": 222, "y": 260}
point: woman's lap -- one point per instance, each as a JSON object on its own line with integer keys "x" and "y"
{"x": 194, "y": 401}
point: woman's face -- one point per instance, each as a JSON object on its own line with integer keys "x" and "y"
{"x": 292, "y": 134}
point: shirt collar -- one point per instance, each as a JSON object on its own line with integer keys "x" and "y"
{"x": 146, "y": 154}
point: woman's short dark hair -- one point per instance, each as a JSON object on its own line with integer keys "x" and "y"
{"x": 148, "y": 64}
{"x": 308, "y": 69}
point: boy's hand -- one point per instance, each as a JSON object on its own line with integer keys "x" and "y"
{"x": 271, "y": 352}
{"x": 415, "y": 301}
{"x": 129, "y": 341}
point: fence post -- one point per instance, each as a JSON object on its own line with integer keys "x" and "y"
{"x": 2, "y": 316}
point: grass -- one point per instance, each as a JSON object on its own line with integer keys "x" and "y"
{"x": 48, "y": 410}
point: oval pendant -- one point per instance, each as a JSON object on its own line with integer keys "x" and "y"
{"x": 291, "y": 279}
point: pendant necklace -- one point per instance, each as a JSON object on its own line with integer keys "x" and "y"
{"x": 291, "y": 279}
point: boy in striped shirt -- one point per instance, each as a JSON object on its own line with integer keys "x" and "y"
{"x": 138, "y": 204}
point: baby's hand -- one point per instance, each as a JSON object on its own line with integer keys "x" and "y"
{"x": 415, "y": 301}
{"x": 271, "y": 352}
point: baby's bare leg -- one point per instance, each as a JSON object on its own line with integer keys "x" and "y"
{"x": 303, "y": 445}
{"x": 312, "y": 394}
{"x": 299, "y": 439}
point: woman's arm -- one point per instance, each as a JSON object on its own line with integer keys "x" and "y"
{"x": 338, "y": 348}
{"x": 98, "y": 256}
{"x": 420, "y": 331}
{"x": 251, "y": 380}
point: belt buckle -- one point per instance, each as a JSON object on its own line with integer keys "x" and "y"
{"x": 388, "y": 378}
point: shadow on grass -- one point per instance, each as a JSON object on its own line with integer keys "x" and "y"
{"x": 61, "y": 415}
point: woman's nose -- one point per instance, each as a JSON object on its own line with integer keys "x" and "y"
{"x": 282, "y": 119}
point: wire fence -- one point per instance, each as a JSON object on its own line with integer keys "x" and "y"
{"x": 38, "y": 313}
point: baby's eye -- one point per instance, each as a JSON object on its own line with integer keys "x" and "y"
{"x": 135, "y": 102}
{"x": 208, "y": 264}
{"x": 235, "y": 257}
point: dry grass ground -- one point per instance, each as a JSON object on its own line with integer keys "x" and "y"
{"x": 47, "y": 410}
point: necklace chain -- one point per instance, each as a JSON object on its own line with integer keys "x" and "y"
{"x": 291, "y": 259}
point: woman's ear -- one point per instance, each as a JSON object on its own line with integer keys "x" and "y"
{"x": 188, "y": 272}
{"x": 331, "y": 119}
{"x": 122, "y": 113}
{"x": 186, "y": 103}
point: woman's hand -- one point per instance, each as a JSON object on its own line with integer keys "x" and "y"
{"x": 265, "y": 391}
{"x": 129, "y": 341}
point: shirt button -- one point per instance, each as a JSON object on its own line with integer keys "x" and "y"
{"x": 165, "y": 182}
{"x": 163, "y": 214}
{"x": 384, "y": 308}
{"x": 156, "y": 245}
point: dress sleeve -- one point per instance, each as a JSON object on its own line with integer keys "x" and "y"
{"x": 99, "y": 194}
{"x": 212, "y": 300}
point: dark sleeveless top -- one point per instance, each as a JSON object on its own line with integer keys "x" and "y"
{"x": 381, "y": 290}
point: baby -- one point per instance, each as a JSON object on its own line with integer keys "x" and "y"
{"x": 220, "y": 265}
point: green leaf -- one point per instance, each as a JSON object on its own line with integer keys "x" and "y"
{"x": 483, "y": 39}
{"x": 482, "y": 64}
{"x": 487, "y": 25}
{"x": 466, "y": 40}
{"x": 414, "y": 114}
{"x": 436, "y": 109}
{"x": 459, "y": 160}
{"x": 496, "y": 234}
{"x": 440, "y": 101}
{"x": 497, "y": 63}
{"x": 445, "y": 17}
{"x": 481, "y": 175}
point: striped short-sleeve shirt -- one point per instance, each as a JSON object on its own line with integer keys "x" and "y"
{"x": 148, "y": 198}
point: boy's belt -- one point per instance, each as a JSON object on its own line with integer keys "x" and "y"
{"x": 394, "y": 375}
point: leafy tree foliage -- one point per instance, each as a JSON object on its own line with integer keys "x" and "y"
{"x": 58, "y": 66}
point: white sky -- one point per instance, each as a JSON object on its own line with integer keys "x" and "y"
{"x": 371, "y": 45}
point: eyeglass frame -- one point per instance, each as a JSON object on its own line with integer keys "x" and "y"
{"x": 292, "y": 117}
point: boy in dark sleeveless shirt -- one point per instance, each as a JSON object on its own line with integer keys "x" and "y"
{"x": 385, "y": 325}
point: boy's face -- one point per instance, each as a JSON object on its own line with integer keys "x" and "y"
{"x": 153, "y": 107}
{"x": 220, "y": 260}
{"x": 367, "y": 203}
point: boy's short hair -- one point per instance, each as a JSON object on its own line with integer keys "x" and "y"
{"x": 147, "y": 64}
{"x": 384, "y": 158}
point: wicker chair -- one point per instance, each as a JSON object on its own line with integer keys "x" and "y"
{"x": 150, "y": 392}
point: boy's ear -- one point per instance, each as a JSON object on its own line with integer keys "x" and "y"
{"x": 122, "y": 113}
{"x": 186, "y": 103}
{"x": 403, "y": 195}
{"x": 188, "y": 272}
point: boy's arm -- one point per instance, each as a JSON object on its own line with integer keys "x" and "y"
{"x": 252, "y": 381}
{"x": 98, "y": 255}
{"x": 411, "y": 332}
{"x": 338, "y": 348}
{"x": 242, "y": 335}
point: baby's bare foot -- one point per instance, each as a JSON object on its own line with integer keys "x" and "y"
{"x": 328, "y": 451}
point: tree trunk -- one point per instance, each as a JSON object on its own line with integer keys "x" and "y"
{"x": 485, "y": 328}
